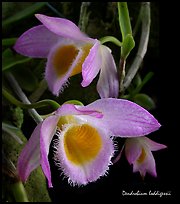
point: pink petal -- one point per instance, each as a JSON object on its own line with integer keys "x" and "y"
{"x": 47, "y": 132}
{"x": 148, "y": 165}
{"x": 154, "y": 146}
{"x": 91, "y": 65}
{"x": 132, "y": 150}
{"x": 36, "y": 42}
{"x": 61, "y": 27}
{"x": 29, "y": 158}
{"x": 108, "y": 83}
{"x": 70, "y": 109}
{"x": 124, "y": 118}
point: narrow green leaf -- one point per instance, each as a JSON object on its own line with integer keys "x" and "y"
{"x": 9, "y": 59}
{"x": 145, "y": 101}
{"x": 127, "y": 45}
{"x": 24, "y": 13}
{"x": 144, "y": 81}
{"x": 124, "y": 20}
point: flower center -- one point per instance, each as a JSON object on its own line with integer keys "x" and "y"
{"x": 82, "y": 143}
{"x": 68, "y": 119}
{"x": 142, "y": 156}
{"x": 65, "y": 56}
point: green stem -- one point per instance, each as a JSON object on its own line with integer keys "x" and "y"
{"x": 19, "y": 192}
{"x": 127, "y": 40}
{"x": 39, "y": 104}
{"x": 14, "y": 84}
{"x": 84, "y": 16}
{"x": 110, "y": 39}
{"x": 145, "y": 14}
{"x": 124, "y": 20}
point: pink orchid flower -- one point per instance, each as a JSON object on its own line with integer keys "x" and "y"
{"x": 69, "y": 52}
{"x": 138, "y": 152}
{"x": 84, "y": 147}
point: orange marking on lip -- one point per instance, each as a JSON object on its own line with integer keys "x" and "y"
{"x": 65, "y": 56}
{"x": 82, "y": 143}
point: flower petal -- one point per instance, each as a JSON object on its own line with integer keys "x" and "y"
{"x": 62, "y": 27}
{"x": 145, "y": 161}
{"x": 124, "y": 118}
{"x": 47, "y": 132}
{"x": 73, "y": 163}
{"x": 57, "y": 72}
{"x": 148, "y": 165}
{"x": 108, "y": 84}
{"x": 91, "y": 65}
{"x": 36, "y": 42}
{"x": 29, "y": 158}
{"x": 132, "y": 150}
{"x": 70, "y": 109}
{"x": 154, "y": 146}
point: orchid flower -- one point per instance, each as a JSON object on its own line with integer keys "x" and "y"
{"x": 138, "y": 152}
{"x": 85, "y": 146}
{"x": 69, "y": 52}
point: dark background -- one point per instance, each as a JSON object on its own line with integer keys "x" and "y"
{"x": 160, "y": 58}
